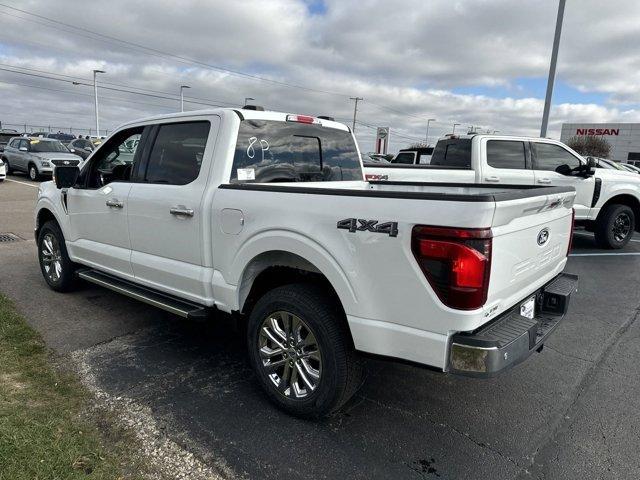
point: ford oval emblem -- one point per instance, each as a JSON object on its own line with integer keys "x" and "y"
{"x": 543, "y": 236}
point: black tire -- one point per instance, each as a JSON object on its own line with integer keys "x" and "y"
{"x": 614, "y": 220}
{"x": 340, "y": 371}
{"x": 33, "y": 173}
{"x": 65, "y": 281}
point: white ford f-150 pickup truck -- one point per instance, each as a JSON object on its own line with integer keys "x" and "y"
{"x": 607, "y": 201}
{"x": 267, "y": 216}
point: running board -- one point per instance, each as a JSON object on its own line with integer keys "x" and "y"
{"x": 161, "y": 300}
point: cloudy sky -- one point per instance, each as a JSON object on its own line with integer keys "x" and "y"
{"x": 478, "y": 62}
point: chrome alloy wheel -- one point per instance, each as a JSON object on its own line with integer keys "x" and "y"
{"x": 290, "y": 354}
{"x": 621, "y": 227}
{"x": 51, "y": 257}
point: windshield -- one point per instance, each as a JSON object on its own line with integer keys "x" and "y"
{"x": 41, "y": 146}
{"x": 274, "y": 151}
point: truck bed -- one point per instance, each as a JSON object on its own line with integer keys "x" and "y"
{"x": 410, "y": 190}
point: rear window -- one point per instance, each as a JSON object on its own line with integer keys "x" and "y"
{"x": 406, "y": 158}
{"x": 455, "y": 153}
{"x": 274, "y": 151}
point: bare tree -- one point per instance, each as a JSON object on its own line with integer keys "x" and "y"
{"x": 590, "y": 146}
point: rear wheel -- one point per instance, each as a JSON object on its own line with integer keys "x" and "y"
{"x": 300, "y": 349}
{"x": 615, "y": 226}
{"x": 57, "y": 268}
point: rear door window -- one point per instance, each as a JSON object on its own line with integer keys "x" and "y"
{"x": 506, "y": 154}
{"x": 176, "y": 156}
{"x": 276, "y": 151}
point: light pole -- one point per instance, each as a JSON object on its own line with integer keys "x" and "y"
{"x": 355, "y": 110}
{"x": 552, "y": 70}
{"x": 454, "y": 128}
{"x": 428, "y": 122}
{"x": 247, "y": 99}
{"x": 182, "y": 87}
{"x": 95, "y": 93}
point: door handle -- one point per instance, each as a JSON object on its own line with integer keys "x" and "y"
{"x": 115, "y": 203}
{"x": 492, "y": 178}
{"x": 544, "y": 180}
{"x": 181, "y": 211}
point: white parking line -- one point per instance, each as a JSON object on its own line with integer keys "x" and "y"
{"x": 21, "y": 183}
{"x": 591, "y": 235}
{"x": 604, "y": 254}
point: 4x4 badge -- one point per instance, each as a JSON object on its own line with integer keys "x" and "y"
{"x": 361, "y": 225}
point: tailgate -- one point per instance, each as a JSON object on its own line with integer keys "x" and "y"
{"x": 530, "y": 241}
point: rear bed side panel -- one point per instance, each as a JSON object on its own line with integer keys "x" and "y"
{"x": 375, "y": 275}
{"x": 403, "y": 173}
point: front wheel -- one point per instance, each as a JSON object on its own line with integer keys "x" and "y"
{"x": 57, "y": 268}
{"x": 615, "y": 226}
{"x": 300, "y": 348}
{"x": 33, "y": 172}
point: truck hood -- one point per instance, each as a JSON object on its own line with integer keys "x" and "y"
{"x": 614, "y": 175}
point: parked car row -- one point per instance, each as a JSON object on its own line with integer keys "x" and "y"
{"x": 37, "y": 156}
{"x": 38, "y": 152}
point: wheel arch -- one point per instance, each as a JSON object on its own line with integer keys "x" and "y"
{"x": 43, "y": 216}
{"x": 274, "y": 268}
{"x": 623, "y": 199}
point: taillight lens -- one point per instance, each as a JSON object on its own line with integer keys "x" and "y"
{"x": 456, "y": 262}
{"x": 573, "y": 226}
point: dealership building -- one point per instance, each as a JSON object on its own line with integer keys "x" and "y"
{"x": 624, "y": 138}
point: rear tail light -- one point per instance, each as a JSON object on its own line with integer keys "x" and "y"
{"x": 573, "y": 226}
{"x": 456, "y": 262}
{"x": 303, "y": 119}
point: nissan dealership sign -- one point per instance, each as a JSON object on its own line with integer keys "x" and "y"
{"x": 624, "y": 138}
{"x": 597, "y": 131}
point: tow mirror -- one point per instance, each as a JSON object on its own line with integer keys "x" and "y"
{"x": 65, "y": 177}
{"x": 590, "y": 167}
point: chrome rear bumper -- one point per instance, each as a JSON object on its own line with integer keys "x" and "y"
{"x": 511, "y": 338}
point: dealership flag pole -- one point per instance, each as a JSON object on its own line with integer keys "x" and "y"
{"x": 552, "y": 70}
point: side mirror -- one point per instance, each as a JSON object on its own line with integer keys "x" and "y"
{"x": 88, "y": 149}
{"x": 589, "y": 169}
{"x": 65, "y": 177}
{"x": 23, "y": 149}
{"x": 72, "y": 150}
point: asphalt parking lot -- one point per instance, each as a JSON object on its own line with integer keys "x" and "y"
{"x": 569, "y": 412}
